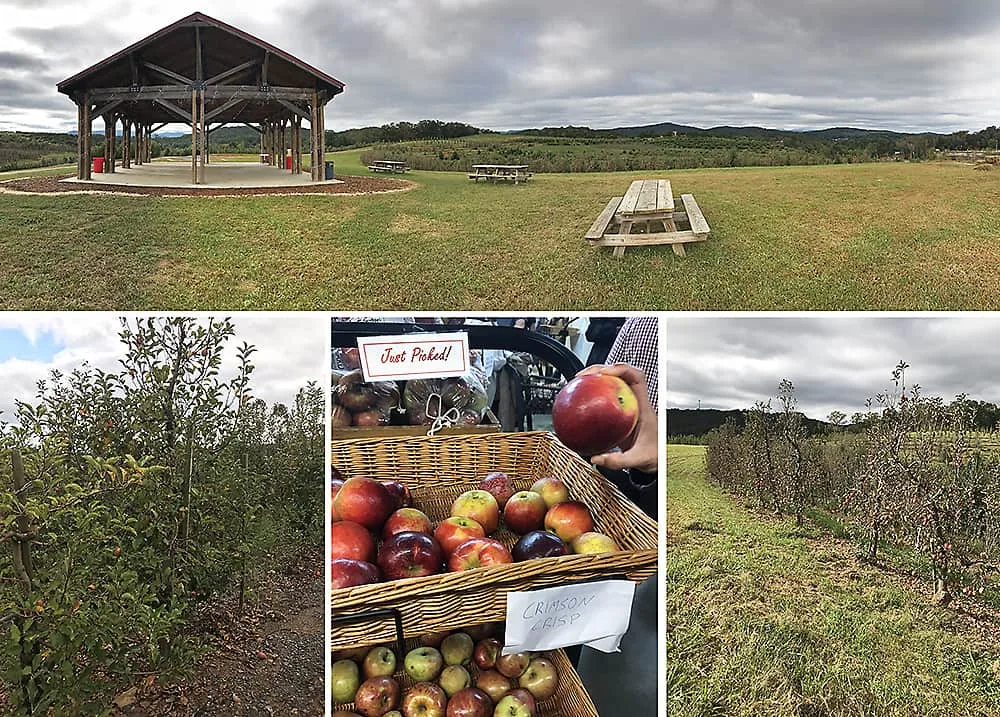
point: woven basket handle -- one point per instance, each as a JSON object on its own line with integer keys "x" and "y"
{"x": 369, "y": 615}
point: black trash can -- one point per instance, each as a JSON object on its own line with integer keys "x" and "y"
{"x": 328, "y": 166}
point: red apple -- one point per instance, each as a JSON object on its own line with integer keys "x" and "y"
{"x": 406, "y": 519}
{"x": 593, "y": 543}
{"x": 367, "y": 419}
{"x": 335, "y": 485}
{"x": 594, "y": 413}
{"x": 514, "y": 664}
{"x": 517, "y": 703}
{"x": 377, "y": 696}
{"x": 425, "y": 699}
{"x": 433, "y": 639}
{"x": 499, "y": 485}
{"x": 525, "y": 511}
{"x": 494, "y": 684}
{"x": 479, "y": 553}
{"x": 470, "y": 702}
{"x": 568, "y": 520}
{"x": 541, "y": 679}
{"x": 364, "y": 501}
{"x": 452, "y": 532}
{"x": 538, "y": 544}
{"x": 409, "y": 555}
{"x": 479, "y": 505}
{"x": 347, "y": 573}
{"x": 551, "y": 489}
{"x": 351, "y": 540}
{"x": 486, "y": 629}
{"x": 399, "y": 492}
{"x": 486, "y": 652}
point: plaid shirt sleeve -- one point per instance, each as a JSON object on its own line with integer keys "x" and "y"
{"x": 637, "y": 346}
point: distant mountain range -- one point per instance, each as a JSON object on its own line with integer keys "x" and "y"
{"x": 699, "y": 421}
{"x": 829, "y": 134}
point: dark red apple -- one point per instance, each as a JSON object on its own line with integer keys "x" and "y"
{"x": 539, "y": 544}
{"x": 368, "y": 418}
{"x": 347, "y": 573}
{"x": 406, "y": 519}
{"x": 399, "y": 492}
{"x": 499, "y": 485}
{"x": 410, "y": 555}
{"x": 452, "y": 532}
{"x": 377, "y": 696}
{"x": 351, "y": 540}
{"x": 486, "y": 652}
{"x": 479, "y": 553}
{"x": 470, "y": 702}
{"x": 364, "y": 501}
{"x": 335, "y": 474}
{"x": 425, "y": 699}
{"x": 433, "y": 639}
{"x": 541, "y": 679}
{"x": 569, "y": 520}
{"x": 525, "y": 511}
{"x": 514, "y": 664}
{"x": 494, "y": 684}
{"x": 594, "y": 413}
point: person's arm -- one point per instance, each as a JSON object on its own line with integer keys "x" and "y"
{"x": 640, "y": 451}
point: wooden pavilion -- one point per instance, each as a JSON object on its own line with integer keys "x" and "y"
{"x": 207, "y": 74}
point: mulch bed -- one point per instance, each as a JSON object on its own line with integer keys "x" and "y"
{"x": 349, "y": 185}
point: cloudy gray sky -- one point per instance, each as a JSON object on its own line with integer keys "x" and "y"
{"x": 834, "y": 361}
{"x": 507, "y": 64}
{"x": 291, "y": 350}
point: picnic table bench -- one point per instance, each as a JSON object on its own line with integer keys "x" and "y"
{"x": 385, "y": 165}
{"x": 500, "y": 173}
{"x": 649, "y": 204}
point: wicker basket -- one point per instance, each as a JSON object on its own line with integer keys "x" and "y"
{"x": 570, "y": 700}
{"x": 438, "y": 469}
{"x": 490, "y": 424}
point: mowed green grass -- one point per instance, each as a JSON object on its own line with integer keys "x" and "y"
{"x": 772, "y": 620}
{"x": 877, "y": 236}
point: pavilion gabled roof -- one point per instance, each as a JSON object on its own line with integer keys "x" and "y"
{"x": 223, "y": 48}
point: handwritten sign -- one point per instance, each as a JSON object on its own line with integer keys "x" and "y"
{"x": 397, "y": 358}
{"x": 595, "y": 614}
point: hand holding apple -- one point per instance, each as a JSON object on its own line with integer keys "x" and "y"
{"x": 594, "y": 412}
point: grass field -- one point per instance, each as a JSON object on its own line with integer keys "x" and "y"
{"x": 772, "y": 620}
{"x": 869, "y": 236}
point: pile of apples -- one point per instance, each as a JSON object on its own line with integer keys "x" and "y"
{"x": 452, "y": 675}
{"x": 377, "y": 534}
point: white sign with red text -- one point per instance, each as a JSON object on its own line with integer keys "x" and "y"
{"x": 413, "y": 356}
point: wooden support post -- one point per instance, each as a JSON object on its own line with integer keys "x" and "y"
{"x": 315, "y": 164}
{"x": 114, "y": 145}
{"x": 147, "y": 136}
{"x": 194, "y": 136}
{"x": 79, "y": 140}
{"x": 204, "y": 137}
{"x": 126, "y": 142}
{"x": 108, "y": 129}
{"x": 87, "y": 137}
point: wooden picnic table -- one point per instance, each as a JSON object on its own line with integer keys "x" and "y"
{"x": 630, "y": 220}
{"x": 386, "y": 165}
{"x": 500, "y": 173}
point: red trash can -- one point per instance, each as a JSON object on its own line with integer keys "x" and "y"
{"x": 288, "y": 162}
{"x": 98, "y": 165}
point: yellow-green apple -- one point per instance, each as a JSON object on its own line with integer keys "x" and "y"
{"x": 592, "y": 542}
{"x": 351, "y": 540}
{"x": 406, "y": 519}
{"x": 486, "y": 653}
{"x": 551, "y": 489}
{"x": 454, "y": 678}
{"x": 499, "y": 485}
{"x": 568, "y": 520}
{"x": 364, "y": 501}
{"x": 524, "y": 512}
{"x": 479, "y": 553}
{"x": 347, "y": 573}
{"x": 594, "y": 413}
{"x": 457, "y": 649}
{"x": 470, "y": 702}
{"x": 376, "y": 696}
{"x": 379, "y": 662}
{"x": 517, "y": 703}
{"x": 479, "y": 505}
{"x": 409, "y": 555}
{"x": 425, "y": 699}
{"x": 541, "y": 679}
{"x": 514, "y": 664}
{"x": 539, "y": 544}
{"x": 423, "y": 664}
{"x": 452, "y": 532}
{"x": 494, "y": 684}
{"x": 344, "y": 681}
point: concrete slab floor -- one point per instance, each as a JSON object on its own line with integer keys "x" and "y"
{"x": 232, "y": 175}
